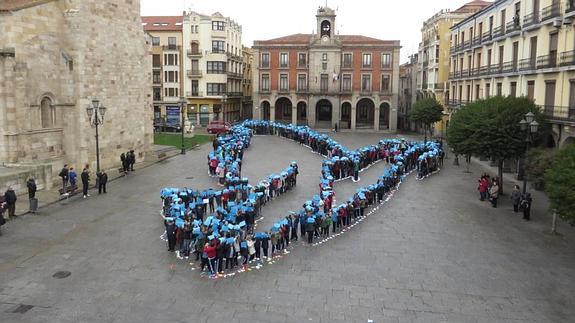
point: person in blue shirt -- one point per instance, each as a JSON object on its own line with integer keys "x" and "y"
{"x": 72, "y": 177}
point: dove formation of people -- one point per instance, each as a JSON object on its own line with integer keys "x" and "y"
{"x": 219, "y": 226}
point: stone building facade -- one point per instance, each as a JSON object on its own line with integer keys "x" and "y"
{"x": 327, "y": 79}
{"x": 55, "y": 57}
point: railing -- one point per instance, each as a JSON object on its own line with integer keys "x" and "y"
{"x": 477, "y": 40}
{"x": 513, "y": 26}
{"x": 554, "y": 113}
{"x": 235, "y": 75}
{"x": 464, "y": 73}
{"x": 234, "y": 94}
{"x": 193, "y": 53}
{"x": 439, "y": 86}
{"x": 551, "y": 11}
{"x": 191, "y": 94}
{"x": 567, "y": 58}
{"x": 547, "y": 61}
{"x": 531, "y": 19}
{"x": 455, "y": 48}
{"x": 385, "y": 92}
{"x": 171, "y": 47}
{"x": 194, "y": 73}
{"x": 527, "y": 64}
{"x": 216, "y": 51}
{"x": 498, "y": 31}
{"x": 487, "y": 36}
{"x": 484, "y": 70}
{"x": 303, "y": 89}
{"x": 466, "y": 44}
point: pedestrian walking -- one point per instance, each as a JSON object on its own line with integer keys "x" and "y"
{"x": 2, "y": 219}
{"x": 85, "y": 176}
{"x": 131, "y": 160}
{"x": 124, "y": 160}
{"x": 10, "y": 200}
{"x": 102, "y": 180}
{"x": 64, "y": 175}
{"x": 516, "y": 198}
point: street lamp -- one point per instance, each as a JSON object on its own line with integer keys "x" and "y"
{"x": 224, "y": 100}
{"x": 182, "y": 105}
{"x": 530, "y": 127}
{"x": 96, "y": 113}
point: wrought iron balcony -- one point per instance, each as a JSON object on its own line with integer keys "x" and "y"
{"x": 498, "y": 31}
{"x": 477, "y": 40}
{"x": 547, "y": 61}
{"x": 551, "y": 11}
{"x": 513, "y": 26}
{"x": 194, "y": 53}
{"x": 567, "y": 58}
{"x": 194, "y": 73}
{"x": 194, "y": 94}
{"x": 559, "y": 114}
{"x": 531, "y": 19}
{"x": 527, "y": 64}
{"x": 466, "y": 44}
{"x": 487, "y": 36}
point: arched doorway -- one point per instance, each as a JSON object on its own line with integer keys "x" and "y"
{"x": 302, "y": 113}
{"x": 323, "y": 113}
{"x": 283, "y": 110}
{"x": 265, "y": 106}
{"x": 568, "y": 141}
{"x": 47, "y": 113}
{"x": 345, "y": 116}
{"x": 384, "y": 116}
{"x": 365, "y": 113}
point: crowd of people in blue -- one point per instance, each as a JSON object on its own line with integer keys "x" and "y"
{"x": 219, "y": 226}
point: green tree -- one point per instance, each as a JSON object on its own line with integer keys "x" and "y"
{"x": 560, "y": 183}
{"x": 426, "y": 112}
{"x": 538, "y": 161}
{"x": 490, "y": 128}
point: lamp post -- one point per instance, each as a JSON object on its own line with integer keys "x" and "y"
{"x": 224, "y": 100}
{"x": 182, "y": 105}
{"x": 96, "y": 112}
{"x": 530, "y": 127}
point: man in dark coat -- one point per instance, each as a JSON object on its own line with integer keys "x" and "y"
{"x": 32, "y": 188}
{"x": 102, "y": 180}
{"x": 124, "y": 159}
{"x": 10, "y": 200}
{"x": 85, "y": 180}
{"x": 131, "y": 160}
{"x": 171, "y": 234}
{"x": 64, "y": 175}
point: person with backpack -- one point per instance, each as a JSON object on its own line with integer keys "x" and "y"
{"x": 10, "y": 200}
{"x": 526, "y": 201}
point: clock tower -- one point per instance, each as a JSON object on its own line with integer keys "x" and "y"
{"x": 325, "y": 24}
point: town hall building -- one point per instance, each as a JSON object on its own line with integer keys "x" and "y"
{"x": 326, "y": 79}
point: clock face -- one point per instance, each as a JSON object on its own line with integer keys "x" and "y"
{"x": 325, "y": 39}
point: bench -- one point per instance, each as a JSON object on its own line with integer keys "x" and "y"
{"x": 70, "y": 190}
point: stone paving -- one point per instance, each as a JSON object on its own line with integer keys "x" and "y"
{"x": 433, "y": 253}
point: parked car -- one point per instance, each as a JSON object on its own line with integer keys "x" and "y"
{"x": 218, "y": 126}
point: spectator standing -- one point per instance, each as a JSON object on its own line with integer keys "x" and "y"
{"x": 85, "y": 180}
{"x": 10, "y": 200}
{"x": 32, "y": 188}
{"x": 516, "y": 198}
{"x": 64, "y": 175}
{"x": 102, "y": 181}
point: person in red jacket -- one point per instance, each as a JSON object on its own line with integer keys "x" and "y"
{"x": 210, "y": 250}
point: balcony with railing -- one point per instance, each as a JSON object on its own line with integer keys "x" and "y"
{"x": 439, "y": 86}
{"x": 464, "y": 73}
{"x": 570, "y": 8}
{"x": 513, "y": 26}
{"x": 477, "y": 40}
{"x": 466, "y": 44}
{"x": 486, "y": 36}
{"x": 559, "y": 114}
{"x": 234, "y": 94}
{"x": 194, "y": 94}
{"x": 194, "y": 53}
{"x": 527, "y": 64}
{"x": 455, "y": 48}
{"x": 498, "y": 31}
{"x": 171, "y": 47}
{"x": 235, "y": 75}
{"x": 567, "y": 58}
{"x": 530, "y": 19}
{"x": 484, "y": 70}
{"x": 194, "y": 73}
{"x": 551, "y": 11}
{"x": 547, "y": 61}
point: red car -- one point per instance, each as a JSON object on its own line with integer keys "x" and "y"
{"x": 218, "y": 126}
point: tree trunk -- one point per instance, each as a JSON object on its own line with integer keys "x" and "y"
{"x": 554, "y": 223}
{"x": 500, "y": 171}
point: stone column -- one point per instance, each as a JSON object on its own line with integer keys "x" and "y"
{"x": 376, "y": 118}
{"x": 272, "y": 113}
{"x": 353, "y": 117}
{"x": 294, "y": 114}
